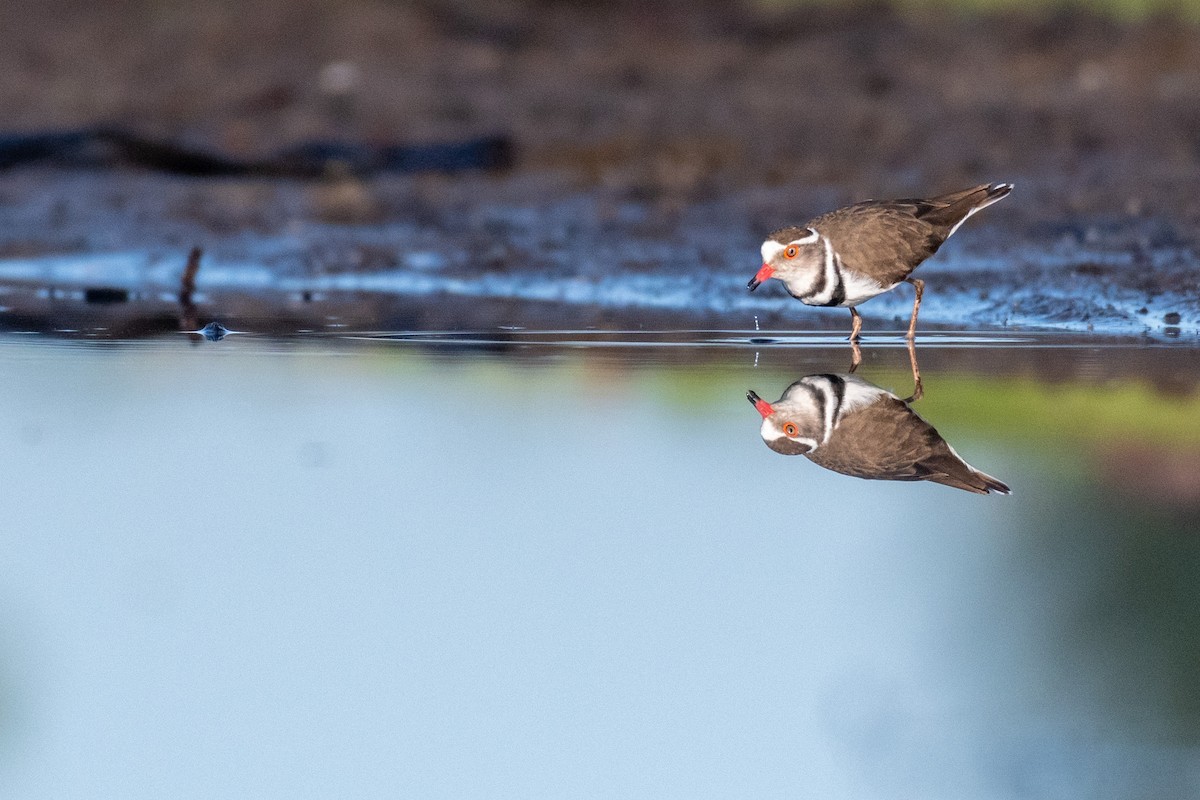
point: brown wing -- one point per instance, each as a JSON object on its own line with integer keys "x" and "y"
{"x": 887, "y": 440}
{"x": 885, "y": 240}
{"x": 948, "y": 210}
{"x": 888, "y": 239}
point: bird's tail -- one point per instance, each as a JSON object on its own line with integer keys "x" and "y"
{"x": 952, "y": 210}
{"x": 949, "y": 469}
{"x": 973, "y": 481}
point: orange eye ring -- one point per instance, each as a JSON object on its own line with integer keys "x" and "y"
{"x": 792, "y": 251}
{"x": 791, "y": 429}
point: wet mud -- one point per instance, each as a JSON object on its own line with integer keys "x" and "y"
{"x": 655, "y": 145}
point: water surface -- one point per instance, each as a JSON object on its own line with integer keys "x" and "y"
{"x": 519, "y": 565}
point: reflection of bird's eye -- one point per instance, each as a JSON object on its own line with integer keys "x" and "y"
{"x": 791, "y": 251}
{"x": 790, "y": 429}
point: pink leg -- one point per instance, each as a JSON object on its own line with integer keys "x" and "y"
{"x": 919, "y": 285}
{"x": 918, "y": 390}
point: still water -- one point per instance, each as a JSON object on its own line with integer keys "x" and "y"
{"x": 390, "y": 567}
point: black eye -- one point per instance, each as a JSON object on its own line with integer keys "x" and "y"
{"x": 791, "y": 251}
{"x": 791, "y": 429}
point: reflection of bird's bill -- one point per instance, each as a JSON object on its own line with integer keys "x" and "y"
{"x": 762, "y": 406}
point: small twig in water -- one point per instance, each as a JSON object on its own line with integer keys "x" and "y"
{"x": 187, "y": 285}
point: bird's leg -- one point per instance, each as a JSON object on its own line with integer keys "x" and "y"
{"x": 918, "y": 390}
{"x": 855, "y": 355}
{"x": 919, "y": 285}
{"x": 856, "y": 324}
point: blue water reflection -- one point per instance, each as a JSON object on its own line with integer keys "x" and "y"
{"x": 368, "y": 572}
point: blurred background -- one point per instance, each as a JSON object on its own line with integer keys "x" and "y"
{"x": 1098, "y": 100}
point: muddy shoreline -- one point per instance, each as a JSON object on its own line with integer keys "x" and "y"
{"x": 655, "y": 144}
{"x": 474, "y": 252}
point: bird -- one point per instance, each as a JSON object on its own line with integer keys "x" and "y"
{"x": 847, "y": 256}
{"x": 849, "y": 425}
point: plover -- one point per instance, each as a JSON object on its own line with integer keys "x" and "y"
{"x": 846, "y": 257}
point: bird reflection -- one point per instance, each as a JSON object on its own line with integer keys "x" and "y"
{"x": 849, "y": 425}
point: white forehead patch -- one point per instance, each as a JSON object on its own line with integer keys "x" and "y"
{"x": 769, "y": 431}
{"x": 770, "y": 250}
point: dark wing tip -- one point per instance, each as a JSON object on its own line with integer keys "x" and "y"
{"x": 994, "y": 485}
